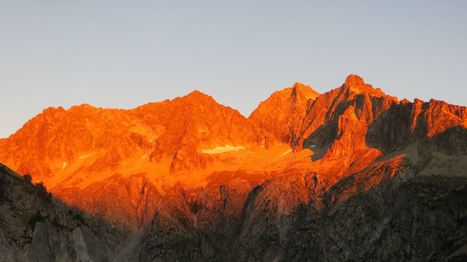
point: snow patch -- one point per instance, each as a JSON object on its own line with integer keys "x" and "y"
{"x": 222, "y": 149}
{"x": 286, "y": 152}
{"x": 84, "y": 156}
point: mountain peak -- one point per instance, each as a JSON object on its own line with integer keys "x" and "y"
{"x": 354, "y": 80}
{"x": 284, "y": 110}
{"x": 83, "y": 107}
{"x": 197, "y": 95}
{"x": 300, "y": 85}
{"x": 306, "y": 90}
{"x": 356, "y": 84}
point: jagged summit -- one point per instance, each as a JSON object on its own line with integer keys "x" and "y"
{"x": 357, "y": 85}
{"x": 84, "y": 106}
{"x": 300, "y": 88}
{"x": 194, "y": 98}
{"x": 283, "y": 111}
{"x": 52, "y": 109}
{"x": 196, "y": 94}
{"x": 354, "y": 80}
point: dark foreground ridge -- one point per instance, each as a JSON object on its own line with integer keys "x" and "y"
{"x": 35, "y": 226}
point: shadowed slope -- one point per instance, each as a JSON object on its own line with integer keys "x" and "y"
{"x": 34, "y": 226}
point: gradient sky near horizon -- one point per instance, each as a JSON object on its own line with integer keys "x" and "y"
{"x": 125, "y": 53}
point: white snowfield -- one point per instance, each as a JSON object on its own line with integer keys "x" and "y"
{"x": 222, "y": 149}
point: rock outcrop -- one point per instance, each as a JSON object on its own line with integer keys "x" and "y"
{"x": 34, "y": 226}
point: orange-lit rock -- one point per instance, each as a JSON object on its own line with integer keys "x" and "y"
{"x": 92, "y": 157}
{"x": 193, "y": 159}
{"x": 283, "y": 112}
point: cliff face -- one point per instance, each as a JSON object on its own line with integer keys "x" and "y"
{"x": 405, "y": 122}
{"x": 422, "y": 219}
{"x": 199, "y": 181}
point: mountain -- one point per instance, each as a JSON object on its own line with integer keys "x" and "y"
{"x": 83, "y": 153}
{"x": 363, "y": 187}
{"x": 350, "y": 174}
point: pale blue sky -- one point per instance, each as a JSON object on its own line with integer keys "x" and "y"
{"x": 126, "y": 53}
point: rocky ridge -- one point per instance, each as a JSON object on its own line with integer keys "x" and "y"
{"x": 201, "y": 182}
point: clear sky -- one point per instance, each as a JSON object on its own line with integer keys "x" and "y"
{"x": 125, "y": 53}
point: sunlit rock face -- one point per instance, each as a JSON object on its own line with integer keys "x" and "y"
{"x": 91, "y": 157}
{"x": 199, "y": 181}
{"x": 283, "y": 112}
